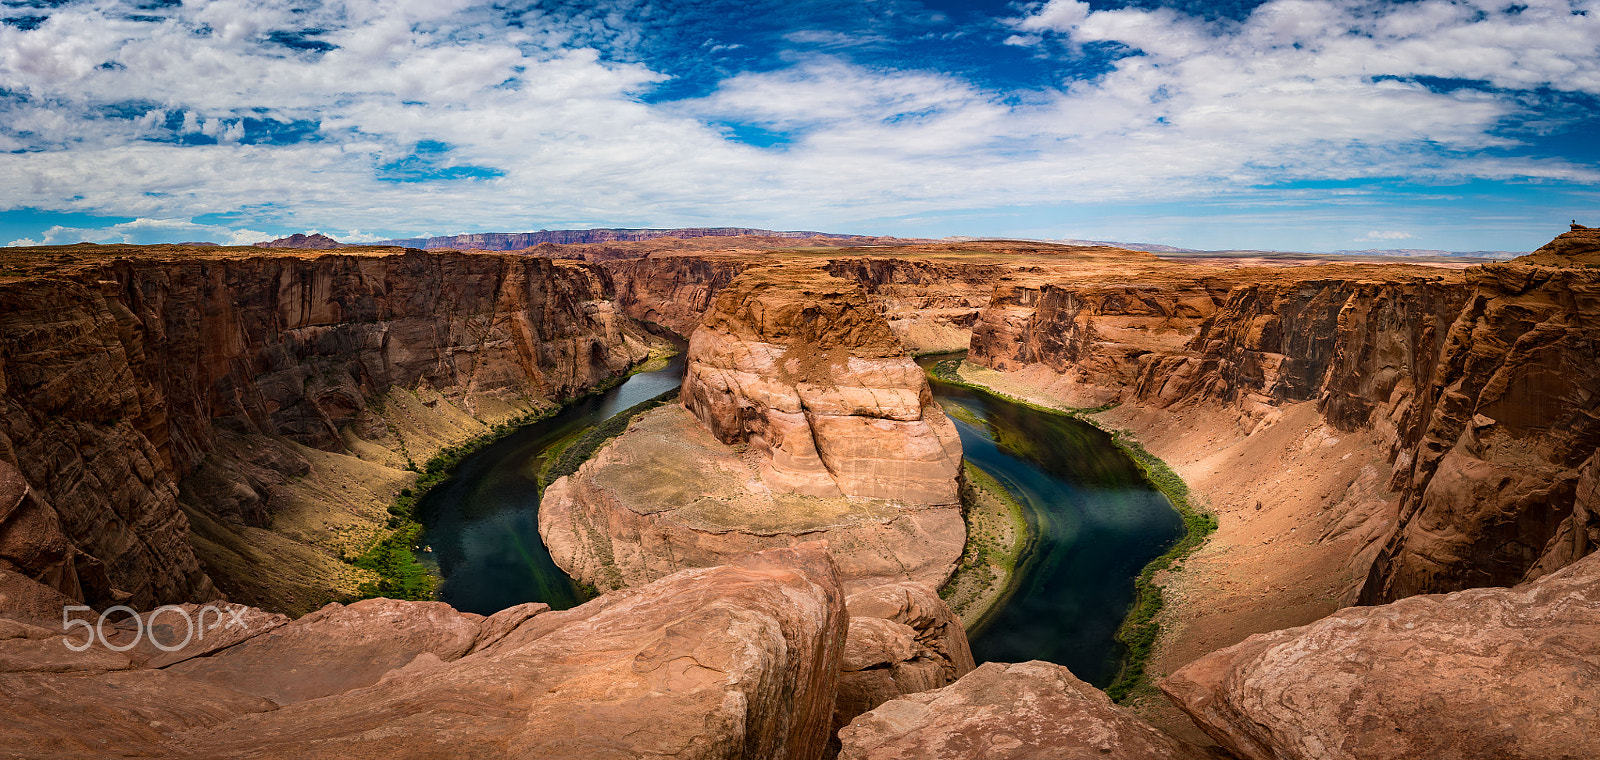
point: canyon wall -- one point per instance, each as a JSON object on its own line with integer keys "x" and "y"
{"x": 1483, "y": 385}
{"x": 931, "y": 306}
{"x": 120, "y": 378}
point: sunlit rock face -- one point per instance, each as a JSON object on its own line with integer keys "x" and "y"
{"x": 803, "y": 418}
{"x": 740, "y": 660}
{"x": 1483, "y": 673}
{"x": 799, "y": 366}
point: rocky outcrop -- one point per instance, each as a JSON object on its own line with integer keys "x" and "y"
{"x": 802, "y": 418}
{"x": 666, "y": 495}
{"x": 1488, "y": 475}
{"x": 732, "y": 661}
{"x": 315, "y": 241}
{"x": 903, "y": 639}
{"x": 999, "y": 711}
{"x": 117, "y": 376}
{"x": 1483, "y": 673}
{"x": 800, "y": 367}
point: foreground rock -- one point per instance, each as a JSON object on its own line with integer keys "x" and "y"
{"x": 803, "y": 418}
{"x": 1002, "y": 711}
{"x": 1484, "y": 673}
{"x": 727, "y": 662}
{"x": 903, "y": 639}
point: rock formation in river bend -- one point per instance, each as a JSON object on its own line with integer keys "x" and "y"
{"x": 737, "y": 661}
{"x": 1484, "y": 673}
{"x": 799, "y": 366}
{"x": 121, "y": 377}
{"x": 826, "y": 428}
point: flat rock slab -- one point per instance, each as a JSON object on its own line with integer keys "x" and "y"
{"x": 337, "y": 648}
{"x": 1008, "y": 711}
{"x": 1484, "y": 673}
{"x": 732, "y": 661}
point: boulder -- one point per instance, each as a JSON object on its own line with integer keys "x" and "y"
{"x": 734, "y": 661}
{"x": 1001, "y": 711}
{"x": 1483, "y": 673}
{"x": 903, "y": 639}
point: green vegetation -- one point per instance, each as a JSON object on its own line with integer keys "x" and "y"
{"x": 998, "y": 541}
{"x": 393, "y": 557}
{"x": 1140, "y": 629}
{"x": 565, "y": 457}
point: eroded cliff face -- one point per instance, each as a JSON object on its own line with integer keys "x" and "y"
{"x": 931, "y": 306}
{"x": 1096, "y": 337}
{"x": 1482, "y": 386}
{"x": 1489, "y": 490}
{"x": 121, "y": 379}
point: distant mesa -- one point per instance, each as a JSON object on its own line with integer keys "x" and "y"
{"x": 516, "y": 241}
{"x": 315, "y": 241}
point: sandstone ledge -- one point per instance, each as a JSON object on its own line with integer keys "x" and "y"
{"x": 1483, "y": 673}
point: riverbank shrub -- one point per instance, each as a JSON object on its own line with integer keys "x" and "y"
{"x": 393, "y": 556}
{"x": 570, "y": 457}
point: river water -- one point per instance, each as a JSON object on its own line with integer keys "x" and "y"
{"x": 1099, "y": 523}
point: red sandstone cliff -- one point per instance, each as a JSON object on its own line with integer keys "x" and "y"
{"x": 118, "y": 379}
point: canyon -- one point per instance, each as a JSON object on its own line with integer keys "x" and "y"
{"x": 184, "y": 424}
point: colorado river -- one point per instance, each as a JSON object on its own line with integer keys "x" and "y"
{"x": 1099, "y": 523}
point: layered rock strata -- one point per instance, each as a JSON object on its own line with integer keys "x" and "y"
{"x": 1489, "y": 475}
{"x": 733, "y": 661}
{"x": 802, "y": 418}
{"x": 1481, "y": 383}
{"x": 799, "y": 366}
{"x": 1483, "y": 673}
{"x": 1002, "y": 711}
{"x": 117, "y": 378}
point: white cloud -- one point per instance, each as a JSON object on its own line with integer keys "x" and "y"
{"x": 1301, "y": 89}
{"x": 1388, "y": 235}
{"x": 149, "y": 230}
{"x": 23, "y": 242}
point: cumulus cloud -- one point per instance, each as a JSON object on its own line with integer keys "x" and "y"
{"x": 361, "y": 115}
{"x": 1388, "y": 235}
{"x": 146, "y": 230}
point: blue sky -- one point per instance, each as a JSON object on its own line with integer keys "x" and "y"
{"x": 1292, "y": 124}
